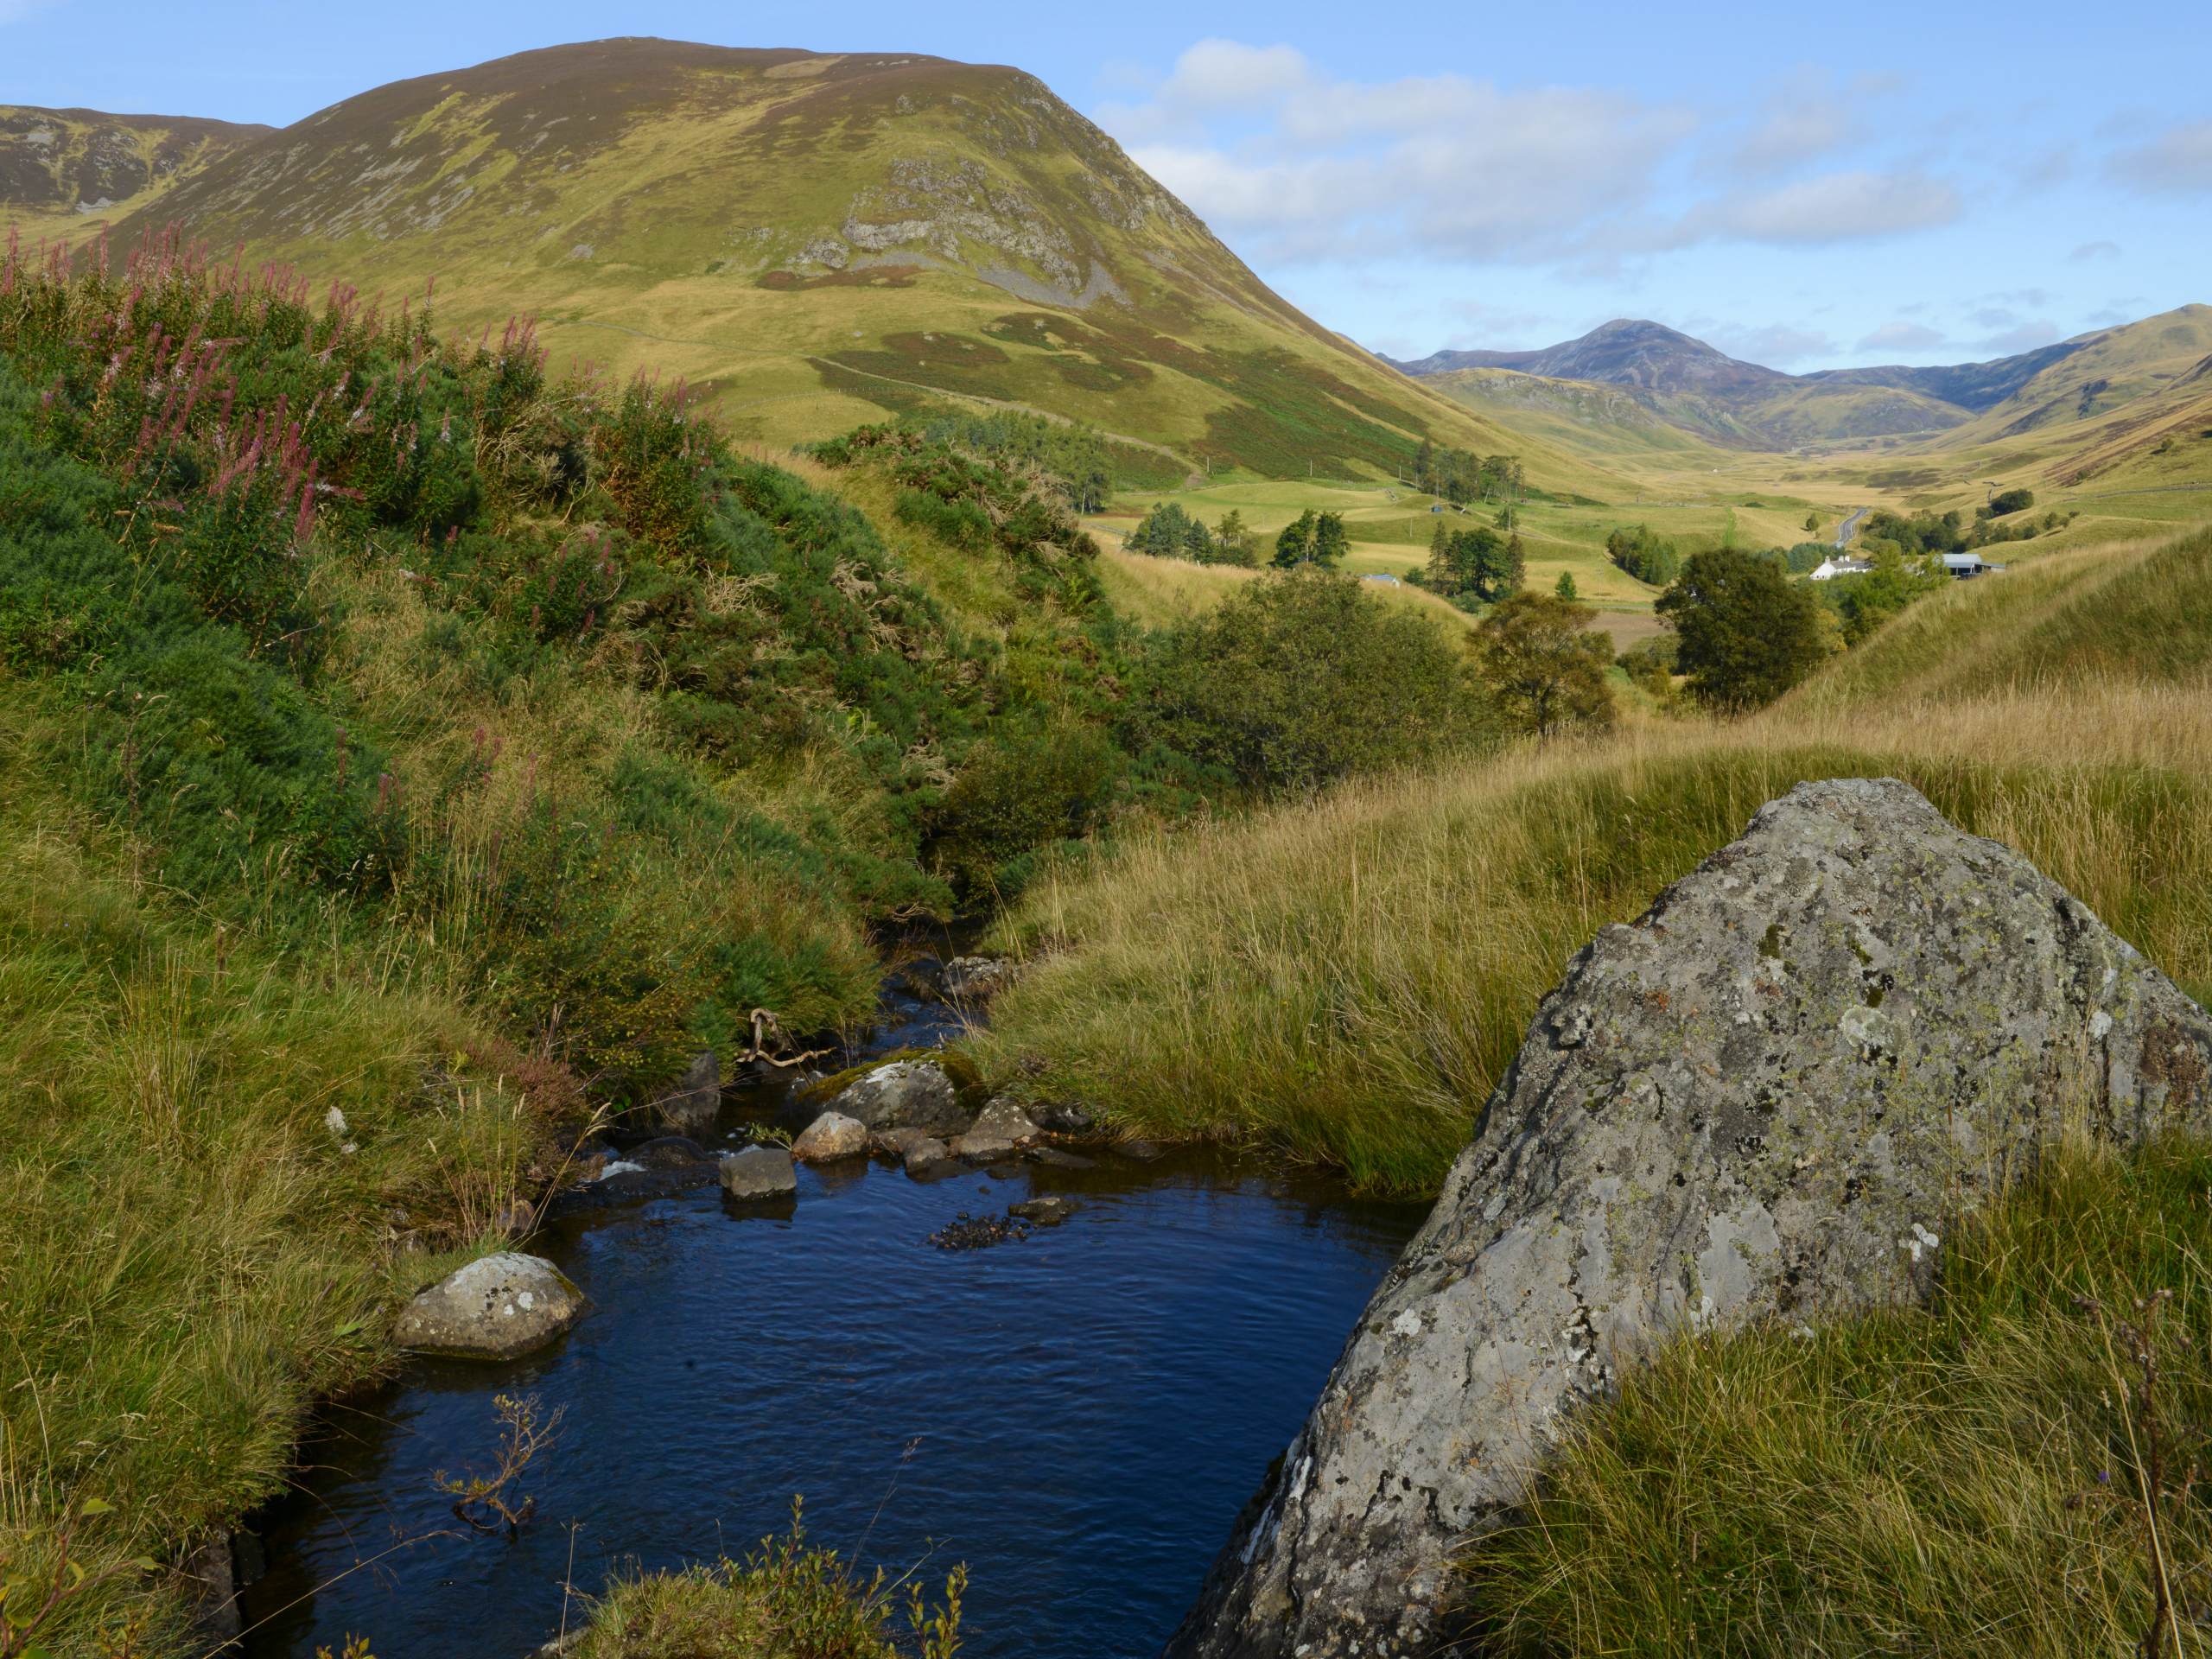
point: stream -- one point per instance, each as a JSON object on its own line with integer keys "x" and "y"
{"x": 1078, "y": 1415}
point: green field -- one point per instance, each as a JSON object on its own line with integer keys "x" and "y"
{"x": 1390, "y": 526}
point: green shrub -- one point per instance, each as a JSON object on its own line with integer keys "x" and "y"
{"x": 1301, "y": 679}
{"x": 1025, "y": 791}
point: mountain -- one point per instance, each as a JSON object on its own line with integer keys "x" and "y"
{"x": 816, "y": 238}
{"x": 1705, "y": 391}
{"x": 1621, "y": 352}
{"x": 2139, "y": 368}
{"x": 61, "y": 169}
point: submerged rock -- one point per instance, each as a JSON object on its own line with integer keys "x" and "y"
{"x": 497, "y": 1307}
{"x": 690, "y": 1106}
{"x": 967, "y": 1232}
{"x": 669, "y": 1151}
{"x": 1048, "y": 1212}
{"x": 1060, "y": 1158}
{"x": 905, "y": 1094}
{"x": 759, "y": 1173}
{"x": 830, "y": 1137}
{"x": 1765, "y": 1097}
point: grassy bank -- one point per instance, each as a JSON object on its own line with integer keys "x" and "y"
{"x": 2006, "y": 1472}
{"x": 192, "y": 1247}
{"x": 1345, "y": 980}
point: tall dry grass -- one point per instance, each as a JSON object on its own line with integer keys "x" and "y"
{"x": 1346, "y": 979}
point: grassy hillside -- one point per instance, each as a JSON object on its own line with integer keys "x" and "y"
{"x": 2104, "y": 371}
{"x": 1346, "y": 980}
{"x": 64, "y": 170}
{"x": 816, "y": 239}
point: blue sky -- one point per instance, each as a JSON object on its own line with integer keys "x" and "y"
{"x": 1920, "y": 183}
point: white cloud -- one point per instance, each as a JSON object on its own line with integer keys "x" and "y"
{"x": 1302, "y": 166}
{"x": 1778, "y": 343}
{"x": 2022, "y": 337}
{"x": 1903, "y": 337}
{"x": 2089, "y": 250}
{"x": 2178, "y": 162}
{"x": 1834, "y": 208}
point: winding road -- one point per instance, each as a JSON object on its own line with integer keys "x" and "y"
{"x": 1850, "y": 526}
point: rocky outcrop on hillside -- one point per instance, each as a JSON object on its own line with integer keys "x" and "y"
{"x": 1763, "y": 1100}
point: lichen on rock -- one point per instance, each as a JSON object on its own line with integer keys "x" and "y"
{"x": 1764, "y": 1098}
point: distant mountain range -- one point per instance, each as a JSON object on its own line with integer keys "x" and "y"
{"x": 1703, "y": 391}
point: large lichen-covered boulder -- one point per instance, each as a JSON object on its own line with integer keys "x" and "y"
{"x": 497, "y": 1307}
{"x": 1764, "y": 1098}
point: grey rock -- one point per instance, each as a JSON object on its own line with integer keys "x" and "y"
{"x": 830, "y": 1137}
{"x": 905, "y": 1094}
{"x": 497, "y": 1307}
{"x": 1062, "y": 1116}
{"x": 1049, "y": 1212}
{"x": 669, "y": 1151}
{"x": 999, "y": 1129}
{"x": 1142, "y": 1151}
{"x": 1004, "y": 1118}
{"x": 690, "y": 1106}
{"x": 208, "y": 1577}
{"x": 1766, "y": 1098}
{"x": 928, "y": 1156}
{"x": 974, "y": 979}
{"x": 893, "y": 1142}
{"x": 759, "y": 1173}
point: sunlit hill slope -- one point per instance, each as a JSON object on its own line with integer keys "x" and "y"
{"x": 820, "y": 238}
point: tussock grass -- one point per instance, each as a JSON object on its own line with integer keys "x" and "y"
{"x": 786, "y": 1598}
{"x": 1975, "y": 1478}
{"x": 1345, "y": 979}
{"x": 189, "y": 1251}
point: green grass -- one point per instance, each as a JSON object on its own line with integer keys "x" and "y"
{"x": 2136, "y": 612}
{"x": 1973, "y": 1478}
{"x": 190, "y": 1254}
{"x": 787, "y": 1600}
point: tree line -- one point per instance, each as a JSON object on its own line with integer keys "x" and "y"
{"x": 1460, "y": 475}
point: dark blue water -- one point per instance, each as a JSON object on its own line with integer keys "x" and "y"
{"x": 1078, "y": 1415}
